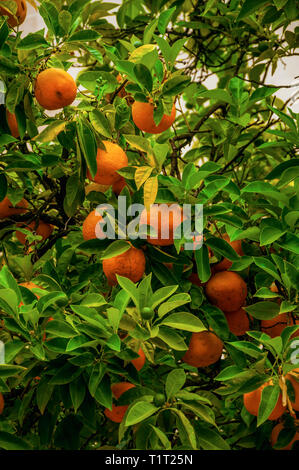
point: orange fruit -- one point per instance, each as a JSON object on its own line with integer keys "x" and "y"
{"x": 30, "y": 285}
{"x": 238, "y": 321}
{"x": 274, "y": 437}
{"x": 205, "y": 348}
{"x": 252, "y": 402}
{"x": 43, "y": 229}
{"x": 89, "y": 225}
{"x": 226, "y": 263}
{"x": 1, "y": 403}
{"x": 12, "y": 124}
{"x": 226, "y": 290}
{"x": 7, "y": 209}
{"x": 109, "y": 161}
{"x": 119, "y": 185}
{"x": 98, "y": 188}
{"x": 164, "y": 222}
{"x": 121, "y": 387}
{"x": 19, "y": 17}
{"x": 130, "y": 264}
{"x": 118, "y": 412}
{"x": 140, "y": 361}
{"x": 143, "y": 117}
{"x": 275, "y": 326}
{"x": 55, "y": 89}
{"x": 195, "y": 280}
{"x": 295, "y": 383}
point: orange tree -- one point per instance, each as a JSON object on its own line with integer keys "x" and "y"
{"x": 131, "y": 343}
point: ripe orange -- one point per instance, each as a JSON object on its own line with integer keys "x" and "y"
{"x": 295, "y": 383}
{"x": 274, "y": 437}
{"x": 43, "y": 229}
{"x": 109, "y": 161}
{"x": 205, "y": 348}
{"x": 118, "y": 412}
{"x": 276, "y": 325}
{"x": 55, "y": 89}
{"x": 252, "y": 402}
{"x": 1, "y": 403}
{"x": 143, "y": 117}
{"x": 226, "y": 263}
{"x": 19, "y": 17}
{"x": 119, "y": 185}
{"x": 164, "y": 222}
{"x": 12, "y": 124}
{"x": 7, "y": 209}
{"x": 30, "y": 285}
{"x": 238, "y": 321}
{"x": 195, "y": 280}
{"x": 98, "y": 188}
{"x": 89, "y": 225}
{"x": 130, "y": 264}
{"x": 121, "y": 387}
{"x": 140, "y": 361}
{"x": 227, "y": 291}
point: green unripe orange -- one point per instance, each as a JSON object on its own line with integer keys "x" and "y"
{"x": 159, "y": 399}
{"x": 147, "y": 313}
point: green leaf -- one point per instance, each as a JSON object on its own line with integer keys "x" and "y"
{"x": 32, "y": 41}
{"x": 175, "y": 85}
{"x": 261, "y": 93}
{"x": 263, "y": 310}
{"x": 162, "y": 437}
{"x": 164, "y": 19}
{"x": 65, "y": 375}
{"x": 84, "y": 35}
{"x": 217, "y": 94}
{"x": 172, "y": 339}
{"x": 184, "y": 321}
{"x": 285, "y": 118}
{"x": 175, "y": 380}
{"x": 209, "y": 439}
{"x": 77, "y": 393}
{"x": 12, "y": 442}
{"x": 100, "y": 123}
{"x": 162, "y": 294}
{"x": 223, "y": 248}
{"x": 174, "y": 302}
{"x": 143, "y": 76}
{"x": 116, "y": 248}
{"x": 270, "y": 395}
{"x": 50, "y": 299}
{"x": 139, "y": 412}
{"x": 60, "y": 329}
{"x": 51, "y": 132}
{"x": 203, "y": 263}
{"x": 185, "y": 427}
{"x": 267, "y": 266}
{"x": 249, "y": 7}
{"x": 7, "y": 370}
{"x": 88, "y": 145}
{"x": 43, "y": 394}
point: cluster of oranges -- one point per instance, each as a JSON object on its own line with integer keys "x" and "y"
{"x": 38, "y": 227}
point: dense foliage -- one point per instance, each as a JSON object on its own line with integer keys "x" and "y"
{"x": 232, "y": 149}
